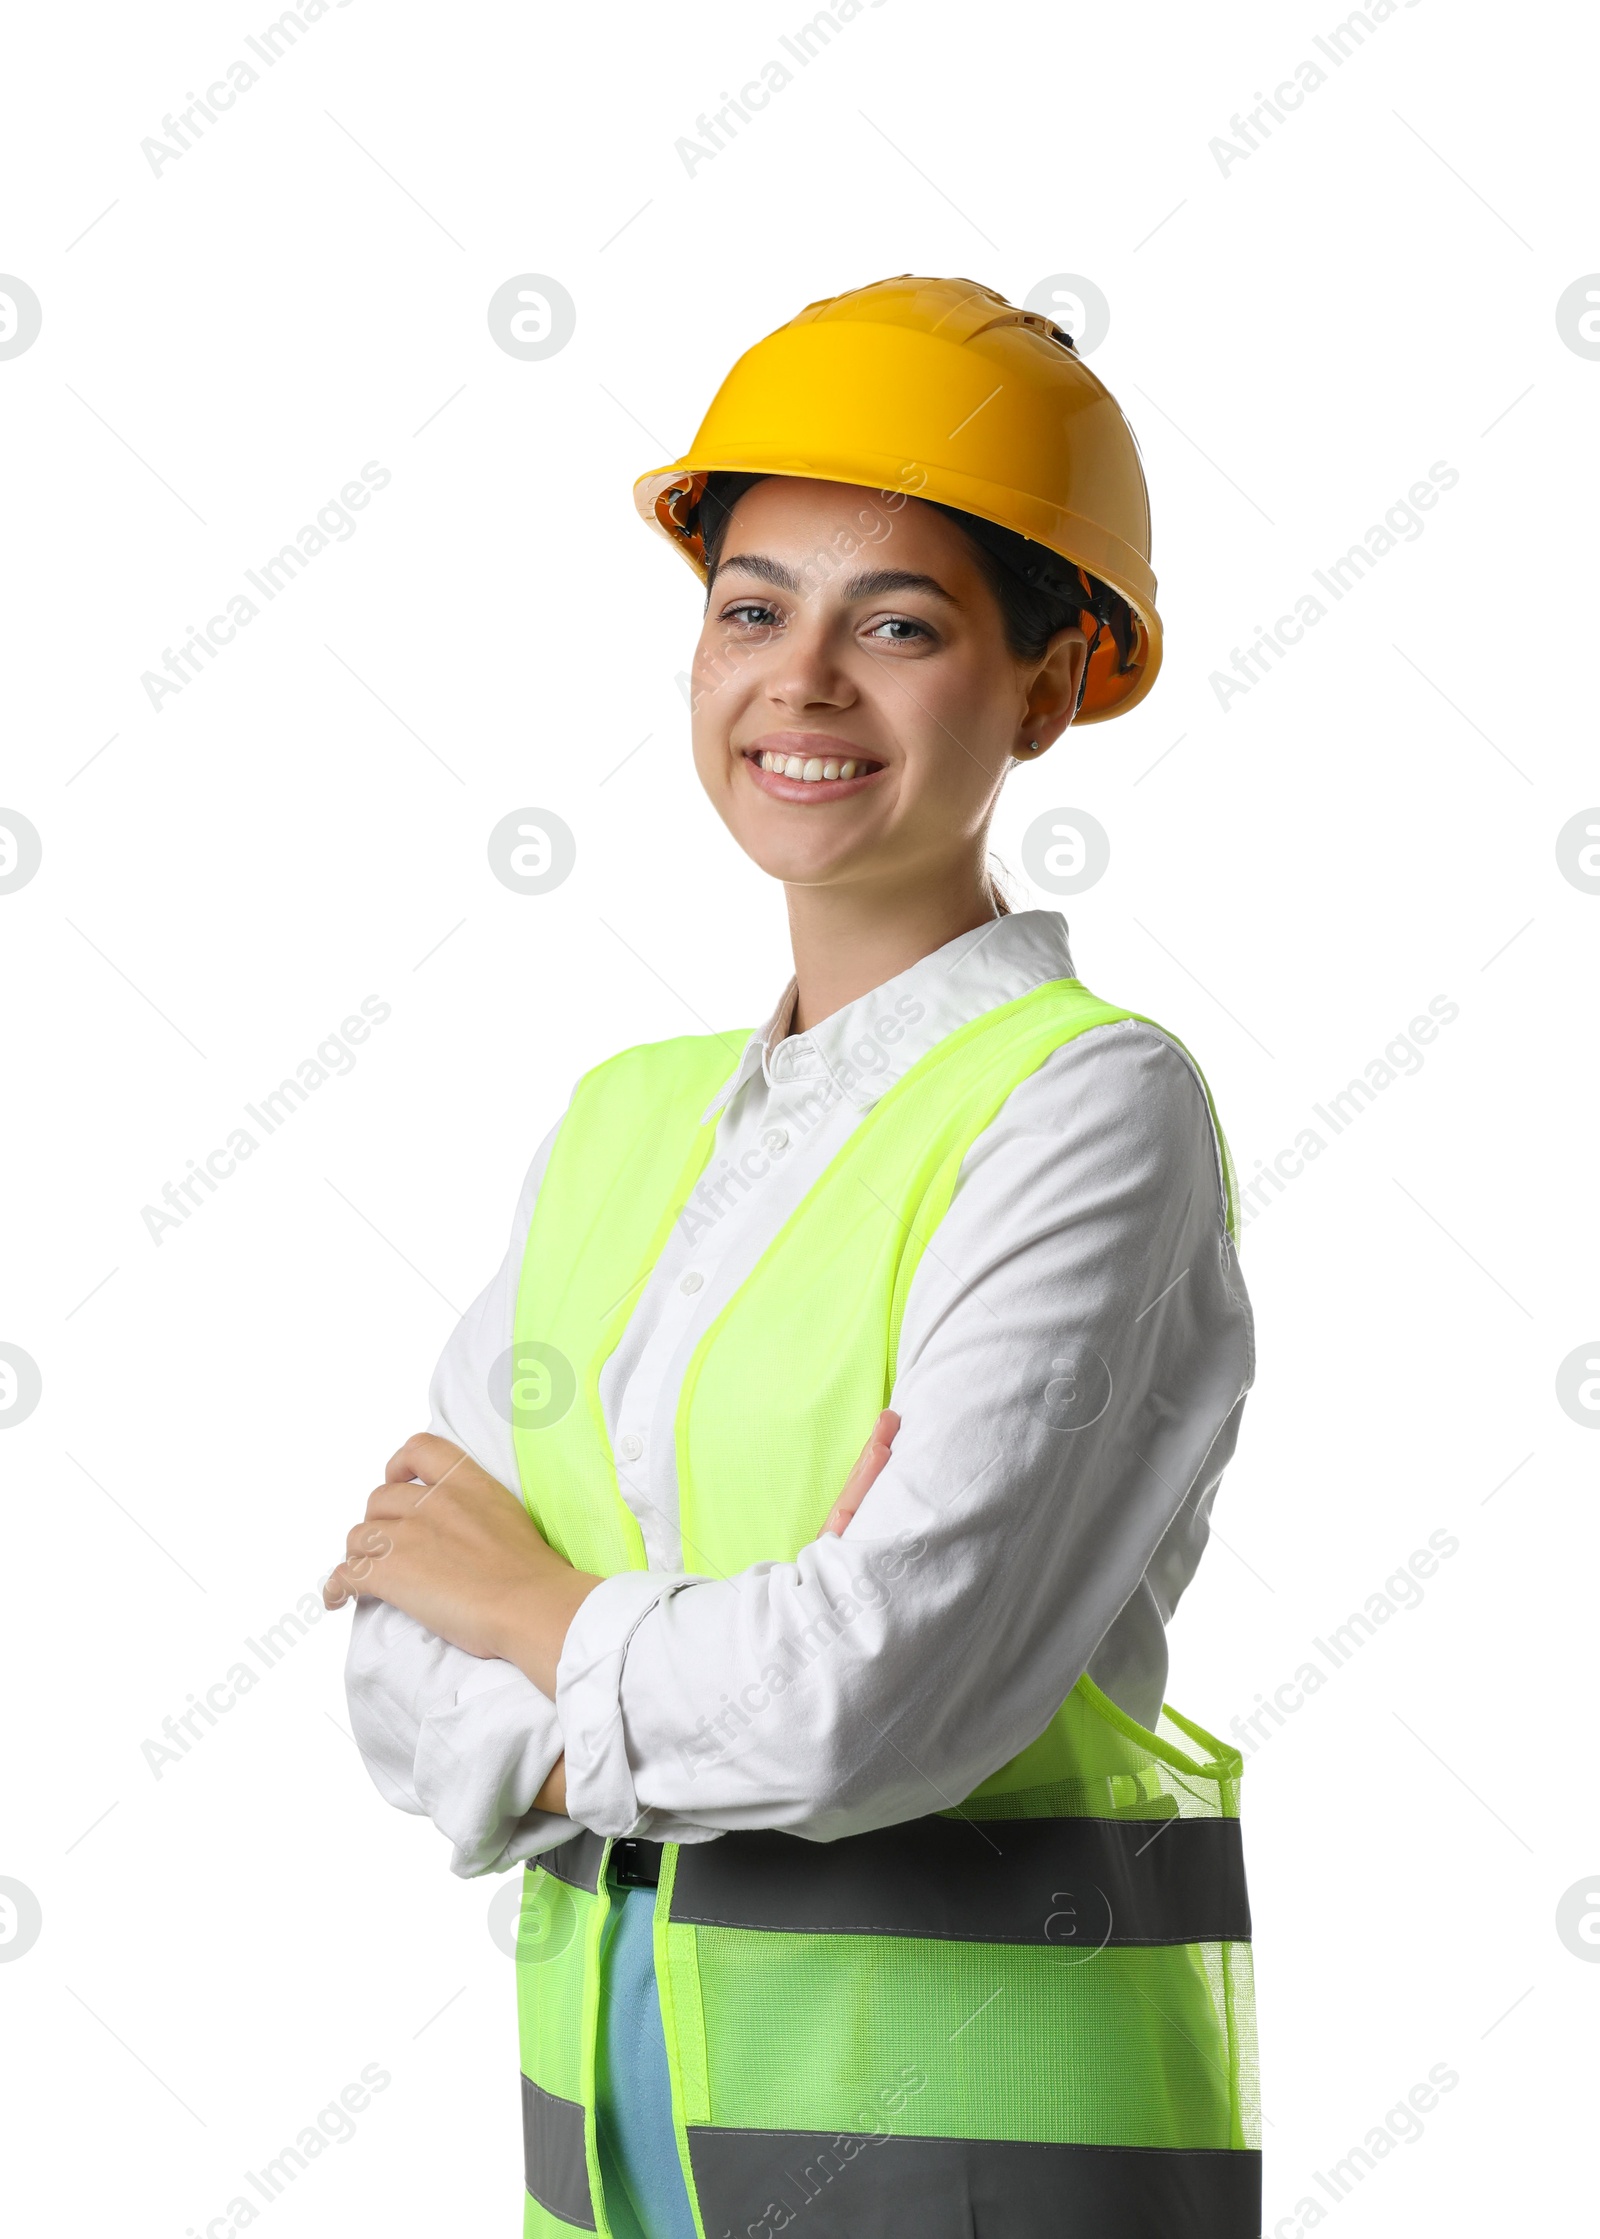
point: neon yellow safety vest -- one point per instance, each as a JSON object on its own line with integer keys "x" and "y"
{"x": 1032, "y": 2014}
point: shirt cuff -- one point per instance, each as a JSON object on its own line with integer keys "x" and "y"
{"x": 600, "y": 1790}
{"x": 391, "y": 1670}
{"x": 480, "y": 1762}
{"x": 466, "y": 1741}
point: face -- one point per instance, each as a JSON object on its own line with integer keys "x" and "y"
{"x": 856, "y": 706}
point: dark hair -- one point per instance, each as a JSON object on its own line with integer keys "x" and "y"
{"x": 1038, "y": 593}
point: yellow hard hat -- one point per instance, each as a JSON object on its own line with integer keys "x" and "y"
{"x": 940, "y": 389}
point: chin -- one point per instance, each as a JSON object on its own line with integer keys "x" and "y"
{"x": 799, "y": 866}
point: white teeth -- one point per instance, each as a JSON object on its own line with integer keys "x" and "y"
{"x": 810, "y": 770}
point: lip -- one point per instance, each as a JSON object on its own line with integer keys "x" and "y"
{"x": 812, "y": 745}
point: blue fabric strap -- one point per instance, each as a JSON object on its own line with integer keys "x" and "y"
{"x": 643, "y": 2178}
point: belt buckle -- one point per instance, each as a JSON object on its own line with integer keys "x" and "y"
{"x": 634, "y": 1864}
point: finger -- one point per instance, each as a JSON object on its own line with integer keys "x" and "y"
{"x": 395, "y": 1499}
{"x": 872, "y": 1456}
{"x": 423, "y": 1456}
{"x": 338, "y": 1588}
{"x": 869, "y": 1465}
{"x": 366, "y": 1544}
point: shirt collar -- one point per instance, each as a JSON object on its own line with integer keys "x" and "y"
{"x": 863, "y": 1049}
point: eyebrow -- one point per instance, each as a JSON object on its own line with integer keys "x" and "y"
{"x": 869, "y": 585}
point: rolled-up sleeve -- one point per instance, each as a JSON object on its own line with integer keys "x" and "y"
{"x": 600, "y": 1780}
{"x": 1074, "y": 1356}
{"x": 465, "y": 1741}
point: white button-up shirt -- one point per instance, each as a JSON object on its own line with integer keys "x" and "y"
{"x": 1074, "y": 1356}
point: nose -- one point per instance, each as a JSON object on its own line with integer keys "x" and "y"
{"x": 807, "y": 671}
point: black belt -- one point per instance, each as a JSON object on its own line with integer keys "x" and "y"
{"x": 634, "y": 1864}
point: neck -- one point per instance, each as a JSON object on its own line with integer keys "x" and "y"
{"x": 848, "y": 940}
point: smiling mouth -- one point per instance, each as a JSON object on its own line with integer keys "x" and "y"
{"x": 828, "y": 774}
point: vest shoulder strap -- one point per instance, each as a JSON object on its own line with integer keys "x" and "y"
{"x": 632, "y": 1142}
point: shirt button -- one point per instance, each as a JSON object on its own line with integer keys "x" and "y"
{"x": 691, "y": 1282}
{"x": 777, "y": 1139}
{"x": 630, "y": 1448}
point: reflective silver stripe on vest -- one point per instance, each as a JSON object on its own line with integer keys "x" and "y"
{"x": 1085, "y": 1882}
{"x": 834, "y": 2185}
{"x": 555, "y": 2168}
{"x": 576, "y": 1862}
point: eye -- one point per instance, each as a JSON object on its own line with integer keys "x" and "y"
{"x": 753, "y": 614}
{"x": 906, "y": 632}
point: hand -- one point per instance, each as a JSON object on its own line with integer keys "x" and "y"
{"x": 869, "y": 1464}
{"x": 447, "y": 1543}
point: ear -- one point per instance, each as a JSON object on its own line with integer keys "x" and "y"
{"x": 1052, "y": 694}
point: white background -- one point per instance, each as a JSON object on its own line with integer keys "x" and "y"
{"x": 1295, "y": 342}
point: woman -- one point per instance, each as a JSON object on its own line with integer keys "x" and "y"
{"x": 861, "y": 1889}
